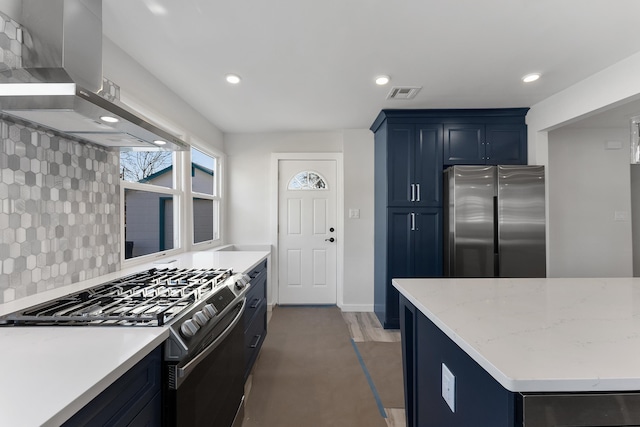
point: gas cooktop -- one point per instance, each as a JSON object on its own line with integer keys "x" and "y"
{"x": 150, "y": 298}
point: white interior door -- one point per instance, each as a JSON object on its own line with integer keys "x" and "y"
{"x": 307, "y": 231}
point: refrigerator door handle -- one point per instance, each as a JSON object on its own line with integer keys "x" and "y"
{"x": 496, "y": 238}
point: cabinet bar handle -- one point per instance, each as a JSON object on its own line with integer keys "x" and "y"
{"x": 413, "y": 192}
{"x": 418, "y": 186}
{"x": 413, "y": 221}
{"x": 254, "y": 344}
{"x": 255, "y": 303}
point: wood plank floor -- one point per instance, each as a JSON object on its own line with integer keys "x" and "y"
{"x": 363, "y": 328}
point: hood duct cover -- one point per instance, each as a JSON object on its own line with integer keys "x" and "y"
{"x": 61, "y": 74}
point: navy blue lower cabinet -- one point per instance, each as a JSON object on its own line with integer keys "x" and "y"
{"x": 134, "y": 399}
{"x": 479, "y": 400}
{"x": 414, "y": 249}
{"x": 255, "y": 316}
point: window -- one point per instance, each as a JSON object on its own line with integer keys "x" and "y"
{"x": 205, "y": 197}
{"x": 149, "y": 195}
{"x": 148, "y": 222}
{"x": 159, "y": 186}
{"x": 307, "y": 180}
{"x": 149, "y": 167}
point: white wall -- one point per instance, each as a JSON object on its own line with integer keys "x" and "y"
{"x": 635, "y": 217}
{"x": 148, "y": 95}
{"x": 11, "y": 8}
{"x": 587, "y": 185}
{"x": 614, "y": 86}
{"x": 249, "y": 197}
{"x": 358, "y": 236}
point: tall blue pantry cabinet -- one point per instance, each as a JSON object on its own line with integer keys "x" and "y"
{"x": 412, "y": 147}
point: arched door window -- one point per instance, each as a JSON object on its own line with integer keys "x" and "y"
{"x": 307, "y": 180}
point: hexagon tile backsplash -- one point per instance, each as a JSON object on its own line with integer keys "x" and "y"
{"x": 59, "y": 211}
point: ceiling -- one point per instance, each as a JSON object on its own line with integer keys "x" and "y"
{"x": 309, "y": 65}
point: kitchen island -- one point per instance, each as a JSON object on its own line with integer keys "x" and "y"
{"x": 508, "y": 342}
{"x": 49, "y": 373}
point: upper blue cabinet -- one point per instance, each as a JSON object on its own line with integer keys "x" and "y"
{"x": 467, "y": 137}
{"x": 485, "y": 144}
{"x": 414, "y": 155}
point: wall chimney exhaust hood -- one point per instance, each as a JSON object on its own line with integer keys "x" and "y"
{"x": 61, "y": 75}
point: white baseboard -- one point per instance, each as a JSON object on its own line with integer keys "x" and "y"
{"x": 357, "y": 307}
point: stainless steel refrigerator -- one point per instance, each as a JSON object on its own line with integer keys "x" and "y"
{"x": 494, "y": 221}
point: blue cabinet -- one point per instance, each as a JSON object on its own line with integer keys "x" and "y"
{"x": 414, "y": 243}
{"x": 485, "y": 144}
{"x": 412, "y": 147}
{"x": 415, "y": 159}
{"x": 255, "y": 316}
{"x": 479, "y": 399}
{"x": 134, "y": 399}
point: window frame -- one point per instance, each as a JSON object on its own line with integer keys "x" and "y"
{"x": 178, "y": 200}
{"x": 216, "y": 197}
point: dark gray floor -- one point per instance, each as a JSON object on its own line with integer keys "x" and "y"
{"x": 308, "y": 374}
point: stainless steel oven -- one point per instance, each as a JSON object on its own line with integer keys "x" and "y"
{"x": 207, "y": 389}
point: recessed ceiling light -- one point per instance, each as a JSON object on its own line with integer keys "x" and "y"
{"x": 109, "y": 119}
{"x": 531, "y": 77}
{"x": 234, "y": 79}
{"x": 156, "y": 8}
{"x": 382, "y": 80}
{"x": 159, "y": 142}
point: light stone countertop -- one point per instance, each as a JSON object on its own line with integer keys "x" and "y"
{"x": 540, "y": 335}
{"x": 49, "y": 373}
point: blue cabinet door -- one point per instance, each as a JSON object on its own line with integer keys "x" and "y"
{"x": 400, "y": 164}
{"x": 427, "y": 243}
{"x": 506, "y": 144}
{"x": 428, "y": 166}
{"x": 480, "y": 144}
{"x": 415, "y": 250}
{"x": 414, "y": 165}
{"x": 464, "y": 144}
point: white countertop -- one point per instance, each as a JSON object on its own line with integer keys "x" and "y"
{"x": 541, "y": 335}
{"x": 49, "y": 373}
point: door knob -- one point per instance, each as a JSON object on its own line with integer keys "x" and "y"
{"x": 331, "y": 239}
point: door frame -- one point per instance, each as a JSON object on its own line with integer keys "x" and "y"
{"x": 275, "y": 199}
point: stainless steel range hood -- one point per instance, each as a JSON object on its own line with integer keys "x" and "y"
{"x": 62, "y": 62}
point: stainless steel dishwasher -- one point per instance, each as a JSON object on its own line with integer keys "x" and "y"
{"x": 598, "y": 409}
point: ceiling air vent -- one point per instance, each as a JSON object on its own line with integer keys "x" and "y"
{"x": 404, "y": 92}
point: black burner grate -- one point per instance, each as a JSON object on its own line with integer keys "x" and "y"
{"x": 150, "y": 298}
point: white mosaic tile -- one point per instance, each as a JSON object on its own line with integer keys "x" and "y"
{"x": 59, "y": 216}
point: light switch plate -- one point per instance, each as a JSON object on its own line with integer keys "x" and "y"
{"x": 354, "y": 213}
{"x": 449, "y": 387}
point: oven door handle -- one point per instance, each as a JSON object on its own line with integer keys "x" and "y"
{"x": 184, "y": 372}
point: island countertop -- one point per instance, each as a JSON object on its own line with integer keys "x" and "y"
{"x": 52, "y": 372}
{"x": 540, "y": 335}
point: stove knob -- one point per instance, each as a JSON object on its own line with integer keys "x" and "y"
{"x": 242, "y": 281}
{"x": 209, "y": 310}
{"x": 189, "y": 328}
{"x": 200, "y": 318}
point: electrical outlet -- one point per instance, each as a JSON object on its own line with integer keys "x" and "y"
{"x": 449, "y": 387}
